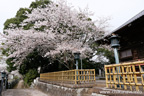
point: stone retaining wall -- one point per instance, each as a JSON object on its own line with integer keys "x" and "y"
{"x": 56, "y": 90}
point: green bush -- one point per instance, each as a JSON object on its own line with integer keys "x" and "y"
{"x": 10, "y": 64}
{"x": 29, "y": 66}
{"x": 30, "y": 76}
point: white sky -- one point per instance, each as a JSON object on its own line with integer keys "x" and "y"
{"x": 119, "y": 10}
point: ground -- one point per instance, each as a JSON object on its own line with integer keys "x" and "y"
{"x": 98, "y": 90}
{"x": 20, "y": 91}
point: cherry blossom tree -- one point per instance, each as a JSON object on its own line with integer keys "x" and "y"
{"x": 56, "y": 31}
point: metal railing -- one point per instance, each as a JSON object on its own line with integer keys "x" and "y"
{"x": 130, "y": 75}
{"x": 70, "y": 76}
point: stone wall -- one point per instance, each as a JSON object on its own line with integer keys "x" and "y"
{"x": 56, "y": 90}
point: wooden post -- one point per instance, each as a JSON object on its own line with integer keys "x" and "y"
{"x": 106, "y": 76}
{"x": 128, "y": 77}
{"x": 62, "y": 76}
{"x": 78, "y": 76}
{"x": 89, "y": 76}
{"x": 135, "y": 78}
{"x": 94, "y": 76}
{"x": 114, "y": 77}
{"x": 131, "y": 74}
{"x": 141, "y": 75}
{"x": 75, "y": 76}
{"x": 124, "y": 79}
{"x": 118, "y": 69}
{"x": 110, "y": 77}
{"x": 131, "y": 77}
{"x": 84, "y": 75}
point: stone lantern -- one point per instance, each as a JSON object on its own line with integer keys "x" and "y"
{"x": 115, "y": 45}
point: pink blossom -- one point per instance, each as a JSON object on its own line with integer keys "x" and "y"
{"x": 65, "y": 29}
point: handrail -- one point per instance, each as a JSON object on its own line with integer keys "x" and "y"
{"x": 70, "y": 76}
{"x": 127, "y": 75}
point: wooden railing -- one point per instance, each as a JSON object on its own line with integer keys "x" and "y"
{"x": 125, "y": 75}
{"x": 71, "y": 76}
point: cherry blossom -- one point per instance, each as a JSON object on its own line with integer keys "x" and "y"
{"x": 64, "y": 29}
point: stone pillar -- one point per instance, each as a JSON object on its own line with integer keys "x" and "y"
{"x": 100, "y": 72}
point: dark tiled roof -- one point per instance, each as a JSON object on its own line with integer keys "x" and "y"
{"x": 130, "y": 21}
{"x": 125, "y": 24}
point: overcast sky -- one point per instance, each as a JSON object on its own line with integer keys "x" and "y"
{"x": 119, "y": 10}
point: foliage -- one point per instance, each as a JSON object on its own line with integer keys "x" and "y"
{"x": 16, "y": 77}
{"x": 17, "y": 19}
{"x": 30, "y": 76}
{"x": 31, "y": 64}
{"x": 87, "y": 64}
{"x": 39, "y": 3}
{"x": 107, "y": 53}
{"x": 52, "y": 67}
{"x": 28, "y": 26}
{"x": 5, "y": 51}
{"x": 47, "y": 34}
{"x": 10, "y": 64}
{"x": 33, "y": 60}
{"x": 20, "y": 15}
{"x": 56, "y": 31}
{"x": 9, "y": 21}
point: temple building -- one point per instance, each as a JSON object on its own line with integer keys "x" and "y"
{"x": 131, "y": 39}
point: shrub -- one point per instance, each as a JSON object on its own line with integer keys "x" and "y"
{"x": 30, "y": 76}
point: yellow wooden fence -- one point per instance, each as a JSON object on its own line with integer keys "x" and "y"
{"x": 70, "y": 76}
{"x": 127, "y": 75}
